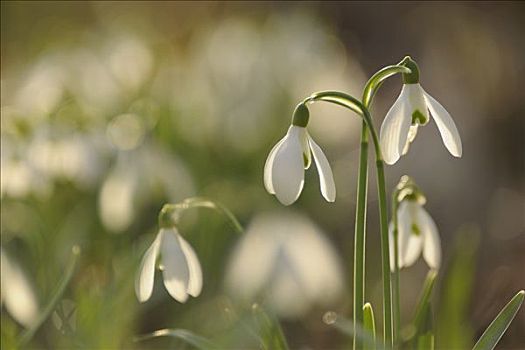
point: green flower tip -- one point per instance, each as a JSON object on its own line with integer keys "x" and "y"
{"x": 413, "y": 77}
{"x": 407, "y": 189}
{"x": 301, "y": 115}
{"x": 167, "y": 216}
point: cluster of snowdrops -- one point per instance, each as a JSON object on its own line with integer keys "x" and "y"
{"x": 410, "y": 232}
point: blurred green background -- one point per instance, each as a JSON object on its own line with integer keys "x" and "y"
{"x": 111, "y": 109}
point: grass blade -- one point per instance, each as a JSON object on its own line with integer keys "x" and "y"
{"x": 425, "y": 331}
{"x": 270, "y": 330}
{"x": 424, "y": 300}
{"x": 57, "y": 295}
{"x": 346, "y": 326}
{"x": 454, "y": 330}
{"x": 189, "y": 337}
{"x": 497, "y": 328}
{"x": 369, "y": 325}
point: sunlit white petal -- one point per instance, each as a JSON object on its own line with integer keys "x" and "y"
{"x": 391, "y": 246}
{"x": 412, "y": 132}
{"x": 410, "y": 244}
{"x": 194, "y": 266}
{"x": 447, "y": 127}
{"x": 269, "y": 165}
{"x": 326, "y": 177}
{"x": 176, "y": 272}
{"x": 432, "y": 242}
{"x": 416, "y": 100}
{"x": 394, "y": 130}
{"x": 146, "y": 276}
{"x": 288, "y": 167}
{"x": 16, "y": 292}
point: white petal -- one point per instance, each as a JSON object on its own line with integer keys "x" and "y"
{"x": 194, "y": 266}
{"x": 16, "y": 292}
{"x": 146, "y": 275}
{"x": 447, "y": 127}
{"x": 391, "y": 247}
{"x": 326, "y": 177}
{"x": 288, "y": 167}
{"x": 394, "y": 130}
{"x": 176, "y": 272}
{"x": 412, "y": 132}
{"x": 416, "y": 100}
{"x": 410, "y": 245}
{"x": 432, "y": 242}
{"x": 269, "y": 165}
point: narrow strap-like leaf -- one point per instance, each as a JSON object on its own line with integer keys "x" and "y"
{"x": 346, "y": 326}
{"x": 269, "y": 329}
{"x": 425, "y": 331}
{"x": 419, "y": 316}
{"x": 189, "y": 337}
{"x": 56, "y": 296}
{"x": 497, "y": 328}
{"x": 369, "y": 325}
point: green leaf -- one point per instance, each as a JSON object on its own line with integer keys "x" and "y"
{"x": 369, "y": 325}
{"x": 425, "y": 332}
{"x": 424, "y": 300}
{"x": 189, "y": 337}
{"x": 269, "y": 329}
{"x": 346, "y": 327}
{"x": 57, "y": 295}
{"x": 497, "y": 328}
{"x": 453, "y": 330}
{"x": 426, "y": 342}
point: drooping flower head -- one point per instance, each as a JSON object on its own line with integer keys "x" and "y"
{"x": 417, "y": 231}
{"x": 286, "y": 262}
{"x": 410, "y": 110}
{"x": 285, "y": 165}
{"x": 176, "y": 258}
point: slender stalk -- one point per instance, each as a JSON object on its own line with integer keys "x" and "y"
{"x": 361, "y": 109}
{"x": 395, "y": 290}
{"x": 360, "y": 234}
{"x": 385, "y": 254}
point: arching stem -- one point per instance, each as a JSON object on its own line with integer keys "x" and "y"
{"x": 355, "y": 105}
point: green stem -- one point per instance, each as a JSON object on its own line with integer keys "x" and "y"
{"x": 395, "y": 291}
{"x": 362, "y": 108}
{"x": 385, "y": 254}
{"x": 360, "y": 234}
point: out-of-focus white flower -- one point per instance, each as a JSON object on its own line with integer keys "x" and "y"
{"x": 16, "y": 293}
{"x": 410, "y": 110}
{"x": 287, "y": 260}
{"x": 417, "y": 232}
{"x": 131, "y": 62}
{"x": 43, "y": 89}
{"x": 180, "y": 267}
{"x": 284, "y": 168}
{"x": 116, "y": 200}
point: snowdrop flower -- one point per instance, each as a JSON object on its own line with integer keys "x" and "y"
{"x": 180, "y": 267}
{"x": 417, "y": 232}
{"x": 410, "y": 110}
{"x": 284, "y": 168}
{"x": 17, "y": 294}
{"x": 287, "y": 261}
